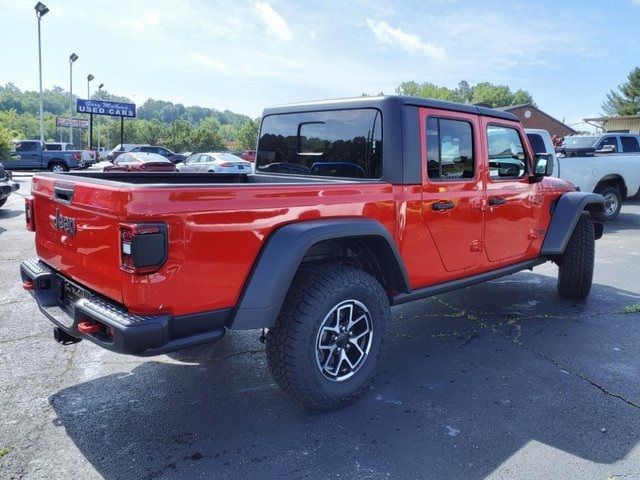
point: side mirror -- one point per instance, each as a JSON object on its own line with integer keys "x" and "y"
{"x": 543, "y": 165}
{"x": 607, "y": 149}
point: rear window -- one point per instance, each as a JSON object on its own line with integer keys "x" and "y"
{"x": 341, "y": 143}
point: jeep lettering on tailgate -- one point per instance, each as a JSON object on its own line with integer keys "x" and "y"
{"x": 61, "y": 222}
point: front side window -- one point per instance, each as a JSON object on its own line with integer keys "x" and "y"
{"x": 610, "y": 142}
{"x": 340, "y": 143}
{"x": 629, "y": 144}
{"x": 449, "y": 149}
{"x": 506, "y": 153}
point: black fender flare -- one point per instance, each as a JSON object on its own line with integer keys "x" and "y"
{"x": 280, "y": 258}
{"x": 564, "y": 218}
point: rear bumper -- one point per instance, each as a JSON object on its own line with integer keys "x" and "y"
{"x": 112, "y": 327}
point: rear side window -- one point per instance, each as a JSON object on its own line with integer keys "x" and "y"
{"x": 506, "y": 153}
{"x": 537, "y": 143}
{"x": 340, "y": 143}
{"x": 449, "y": 149}
{"x": 629, "y": 144}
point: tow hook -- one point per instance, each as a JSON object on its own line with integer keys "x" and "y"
{"x": 88, "y": 327}
{"x": 63, "y": 337}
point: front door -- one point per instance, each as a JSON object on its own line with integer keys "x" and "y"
{"x": 512, "y": 209}
{"x": 25, "y": 155}
{"x": 452, "y": 187}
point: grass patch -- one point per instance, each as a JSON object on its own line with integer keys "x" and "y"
{"x": 4, "y": 451}
{"x": 635, "y": 308}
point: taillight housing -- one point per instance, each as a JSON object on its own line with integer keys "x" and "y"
{"x": 76, "y": 156}
{"x": 143, "y": 247}
{"x": 28, "y": 214}
{"x": 226, "y": 164}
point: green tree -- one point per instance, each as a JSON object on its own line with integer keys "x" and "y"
{"x": 625, "y": 101}
{"x": 492, "y": 95}
{"x": 248, "y": 135}
{"x": 6, "y": 137}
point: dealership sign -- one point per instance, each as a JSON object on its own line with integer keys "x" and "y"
{"x": 64, "y": 122}
{"x": 102, "y": 107}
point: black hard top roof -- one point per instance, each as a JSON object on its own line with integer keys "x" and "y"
{"x": 386, "y": 102}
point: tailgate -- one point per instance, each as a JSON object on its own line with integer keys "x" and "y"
{"x": 77, "y": 231}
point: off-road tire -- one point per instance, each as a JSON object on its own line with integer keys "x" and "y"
{"x": 53, "y": 166}
{"x": 291, "y": 343}
{"x": 616, "y": 196}
{"x": 575, "y": 274}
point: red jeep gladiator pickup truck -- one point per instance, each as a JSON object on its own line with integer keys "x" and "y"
{"x": 355, "y": 205}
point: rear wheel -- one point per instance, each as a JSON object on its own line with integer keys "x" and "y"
{"x": 58, "y": 167}
{"x": 612, "y": 204}
{"x": 575, "y": 275}
{"x": 328, "y": 338}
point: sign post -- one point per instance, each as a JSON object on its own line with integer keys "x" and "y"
{"x": 112, "y": 109}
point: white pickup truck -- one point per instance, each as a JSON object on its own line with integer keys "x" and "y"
{"x": 608, "y": 164}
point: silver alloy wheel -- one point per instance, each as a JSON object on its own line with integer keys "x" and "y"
{"x": 344, "y": 340}
{"x": 57, "y": 168}
{"x": 610, "y": 203}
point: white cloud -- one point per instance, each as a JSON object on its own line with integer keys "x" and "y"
{"x": 206, "y": 62}
{"x": 276, "y": 25}
{"x": 388, "y": 35}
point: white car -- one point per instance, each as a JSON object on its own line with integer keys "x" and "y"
{"x": 217, "y": 162}
{"x": 616, "y": 176}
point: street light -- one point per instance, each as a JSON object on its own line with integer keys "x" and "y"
{"x": 89, "y": 132}
{"x": 98, "y": 125}
{"x": 72, "y": 58}
{"x": 41, "y": 10}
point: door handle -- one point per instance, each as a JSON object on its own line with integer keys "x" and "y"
{"x": 495, "y": 201}
{"x": 442, "y": 205}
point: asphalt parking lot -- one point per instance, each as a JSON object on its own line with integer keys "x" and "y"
{"x": 502, "y": 380}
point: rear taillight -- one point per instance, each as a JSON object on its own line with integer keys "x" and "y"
{"x": 28, "y": 214}
{"x": 226, "y": 164}
{"x": 143, "y": 247}
{"x": 76, "y": 156}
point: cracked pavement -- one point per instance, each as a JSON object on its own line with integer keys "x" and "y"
{"x": 501, "y": 380}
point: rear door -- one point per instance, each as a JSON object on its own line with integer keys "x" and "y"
{"x": 512, "y": 208}
{"x": 452, "y": 186}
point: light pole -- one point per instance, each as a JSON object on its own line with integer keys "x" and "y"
{"x": 98, "y": 124}
{"x": 41, "y": 10}
{"x": 90, "y": 132}
{"x": 72, "y": 58}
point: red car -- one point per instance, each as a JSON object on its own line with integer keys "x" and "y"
{"x": 141, "y": 162}
{"x": 248, "y": 155}
{"x": 356, "y": 205}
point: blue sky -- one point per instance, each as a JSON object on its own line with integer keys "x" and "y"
{"x": 244, "y": 55}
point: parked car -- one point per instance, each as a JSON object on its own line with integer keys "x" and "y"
{"x": 248, "y": 155}
{"x": 140, "y": 162}
{"x": 102, "y": 153}
{"x": 166, "y": 153}
{"x": 120, "y": 149}
{"x": 218, "y": 162}
{"x": 7, "y": 185}
{"x": 30, "y": 155}
{"x": 592, "y": 163}
{"x": 165, "y": 262}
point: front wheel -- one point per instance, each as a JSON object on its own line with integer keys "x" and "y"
{"x": 575, "y": 275}
{"x": 328, "y": 338}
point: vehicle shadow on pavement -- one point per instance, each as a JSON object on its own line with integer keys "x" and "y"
{"x": 471, "y": 380}
{"x": 10, "y": 213}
